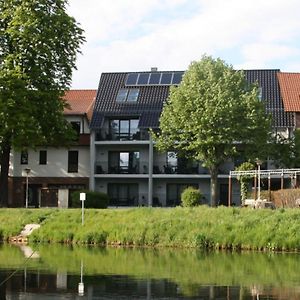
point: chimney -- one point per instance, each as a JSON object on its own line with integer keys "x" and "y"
{"x": 153, "y": 69}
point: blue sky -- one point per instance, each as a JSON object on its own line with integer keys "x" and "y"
{"x": 135, "y": 35}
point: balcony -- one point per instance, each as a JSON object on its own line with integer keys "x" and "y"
{"x": 169, "y": 169}
{"x": 141, "y": 135}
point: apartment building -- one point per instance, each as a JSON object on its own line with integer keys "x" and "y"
{"x": 124, "y": 161}
{"x": 46, "y": 176}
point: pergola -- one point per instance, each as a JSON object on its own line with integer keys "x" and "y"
{"x": 258, "y": 174}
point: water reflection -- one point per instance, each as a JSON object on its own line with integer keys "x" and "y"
{"x": 118, "y": 273}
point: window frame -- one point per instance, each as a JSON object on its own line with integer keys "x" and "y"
{"x": 73, "y": 161}
{"x": 43, "y": 157}
{"x": 24, "y": 157}
{"x": 128, "y": 95}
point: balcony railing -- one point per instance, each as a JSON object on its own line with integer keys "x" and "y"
{"x": 142, "y": 135}
{"x": 142, "y": 168}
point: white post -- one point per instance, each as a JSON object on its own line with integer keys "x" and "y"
{"x": 27, "y": 170}
{"x": 258, "y": 184}
{"x": 80, "y": 284}
{"x": 82, "y": 199}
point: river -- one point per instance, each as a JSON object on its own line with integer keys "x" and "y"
{"x": 78, "y": 272}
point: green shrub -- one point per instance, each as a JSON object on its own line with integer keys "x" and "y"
{"x": 93, "y": 199}
{"x": 191, "y": 197}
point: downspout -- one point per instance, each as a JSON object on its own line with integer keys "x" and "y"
{"x": 150, "y": 180}
{"x": 92, "y": 160}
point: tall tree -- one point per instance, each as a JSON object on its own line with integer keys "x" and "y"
{"x": 285, "y": 151}
{"x": 212, "y": 115}
{"x": 39, "y": 43}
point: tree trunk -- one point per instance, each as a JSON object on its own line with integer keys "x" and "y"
{"x": 213, "y": 186}
{"x": 4, "y": 163}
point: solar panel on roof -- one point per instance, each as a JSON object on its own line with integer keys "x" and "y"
{"x": 177, "y": 77}
{"x": 166, "y": 78}
{"x": 131, "y": 79}
{"x": 154, "y": 78}
{"x": 143, "y": 78}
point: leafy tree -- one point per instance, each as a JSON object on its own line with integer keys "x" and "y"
{"x": 286, "y": 151}
{"x": 39, "y": 43}
{"x": 244, "y": 179}
{"x": 211, "y": 114}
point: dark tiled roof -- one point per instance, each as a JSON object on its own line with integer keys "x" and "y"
{"x": 148, "y": 106}
{"x": 267, "y": 80}
{"x": 151, "y": 99}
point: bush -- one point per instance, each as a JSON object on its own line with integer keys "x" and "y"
{"x": 93, "y": 199}
{"x": 191, "y": 197}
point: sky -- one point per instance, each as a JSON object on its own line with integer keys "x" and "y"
{"x": 135, "y": 35}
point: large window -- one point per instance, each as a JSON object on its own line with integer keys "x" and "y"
{"x": 127, "y": 95}
{"x": 73, "y": 161}
{"x": 126, "y": 129}
{"x": 171, "y": 163}
{"x": 174, "y": 192}
{"x": 123, "y": 162}
{"x": 123, "y": 194}
{"x": 76, "y": 128}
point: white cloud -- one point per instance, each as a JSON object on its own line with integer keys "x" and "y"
{"x": 128, "y": 35}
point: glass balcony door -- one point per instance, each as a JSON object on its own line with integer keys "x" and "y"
{"x": 124, "y": 162}
{"x": 124, "y": 129}
{"x": 123, "y": 194}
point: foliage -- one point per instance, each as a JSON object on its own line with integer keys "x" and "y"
{"x": 191, "y": 197}
{"x": 197, "y": 227}
{"x": 286, "y": 151}
{"x": 212, "y": 109}
{"x": 93, "y": 199}
{"x": 244, "y": 179}
{"x": 39, "y": 43}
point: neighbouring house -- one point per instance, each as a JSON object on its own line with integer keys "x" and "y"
{"x": 53, "y": 173}
{"x": 124, "y": 162}
{"x": 290, "y": 91}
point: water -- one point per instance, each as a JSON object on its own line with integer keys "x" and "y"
{"x": 62, "y": 272}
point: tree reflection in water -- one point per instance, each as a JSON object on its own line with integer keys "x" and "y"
{"x": 148, "y": 273}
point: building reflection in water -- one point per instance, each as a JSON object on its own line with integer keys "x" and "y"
{"x": 36, "y": 284}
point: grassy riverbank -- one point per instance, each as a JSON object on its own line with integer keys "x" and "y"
{"x": 201, "y": 227}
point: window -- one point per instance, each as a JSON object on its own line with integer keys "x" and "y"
{"x": 73, "y": 161}
{"x": 130, "y": 95}
{"x": 76, "y": 128}
{"x": 124, "y": 162}
{"x": 123, "y": 194}
{"x": 171, "y": 166}
{"x": 122, "y": 95}
{"x": 24, "y": 158}
{"x": 43, "y": 157}
{"x": 126, "y": 129}
{"x": 175, "y": 190}
{"x": 133, "y": 95}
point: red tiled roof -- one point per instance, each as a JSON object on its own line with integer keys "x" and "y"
{"x": 80, "y": 102}
{"x": 290, "y": 90}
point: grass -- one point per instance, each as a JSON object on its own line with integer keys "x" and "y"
{"x": 199, "y": 227}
